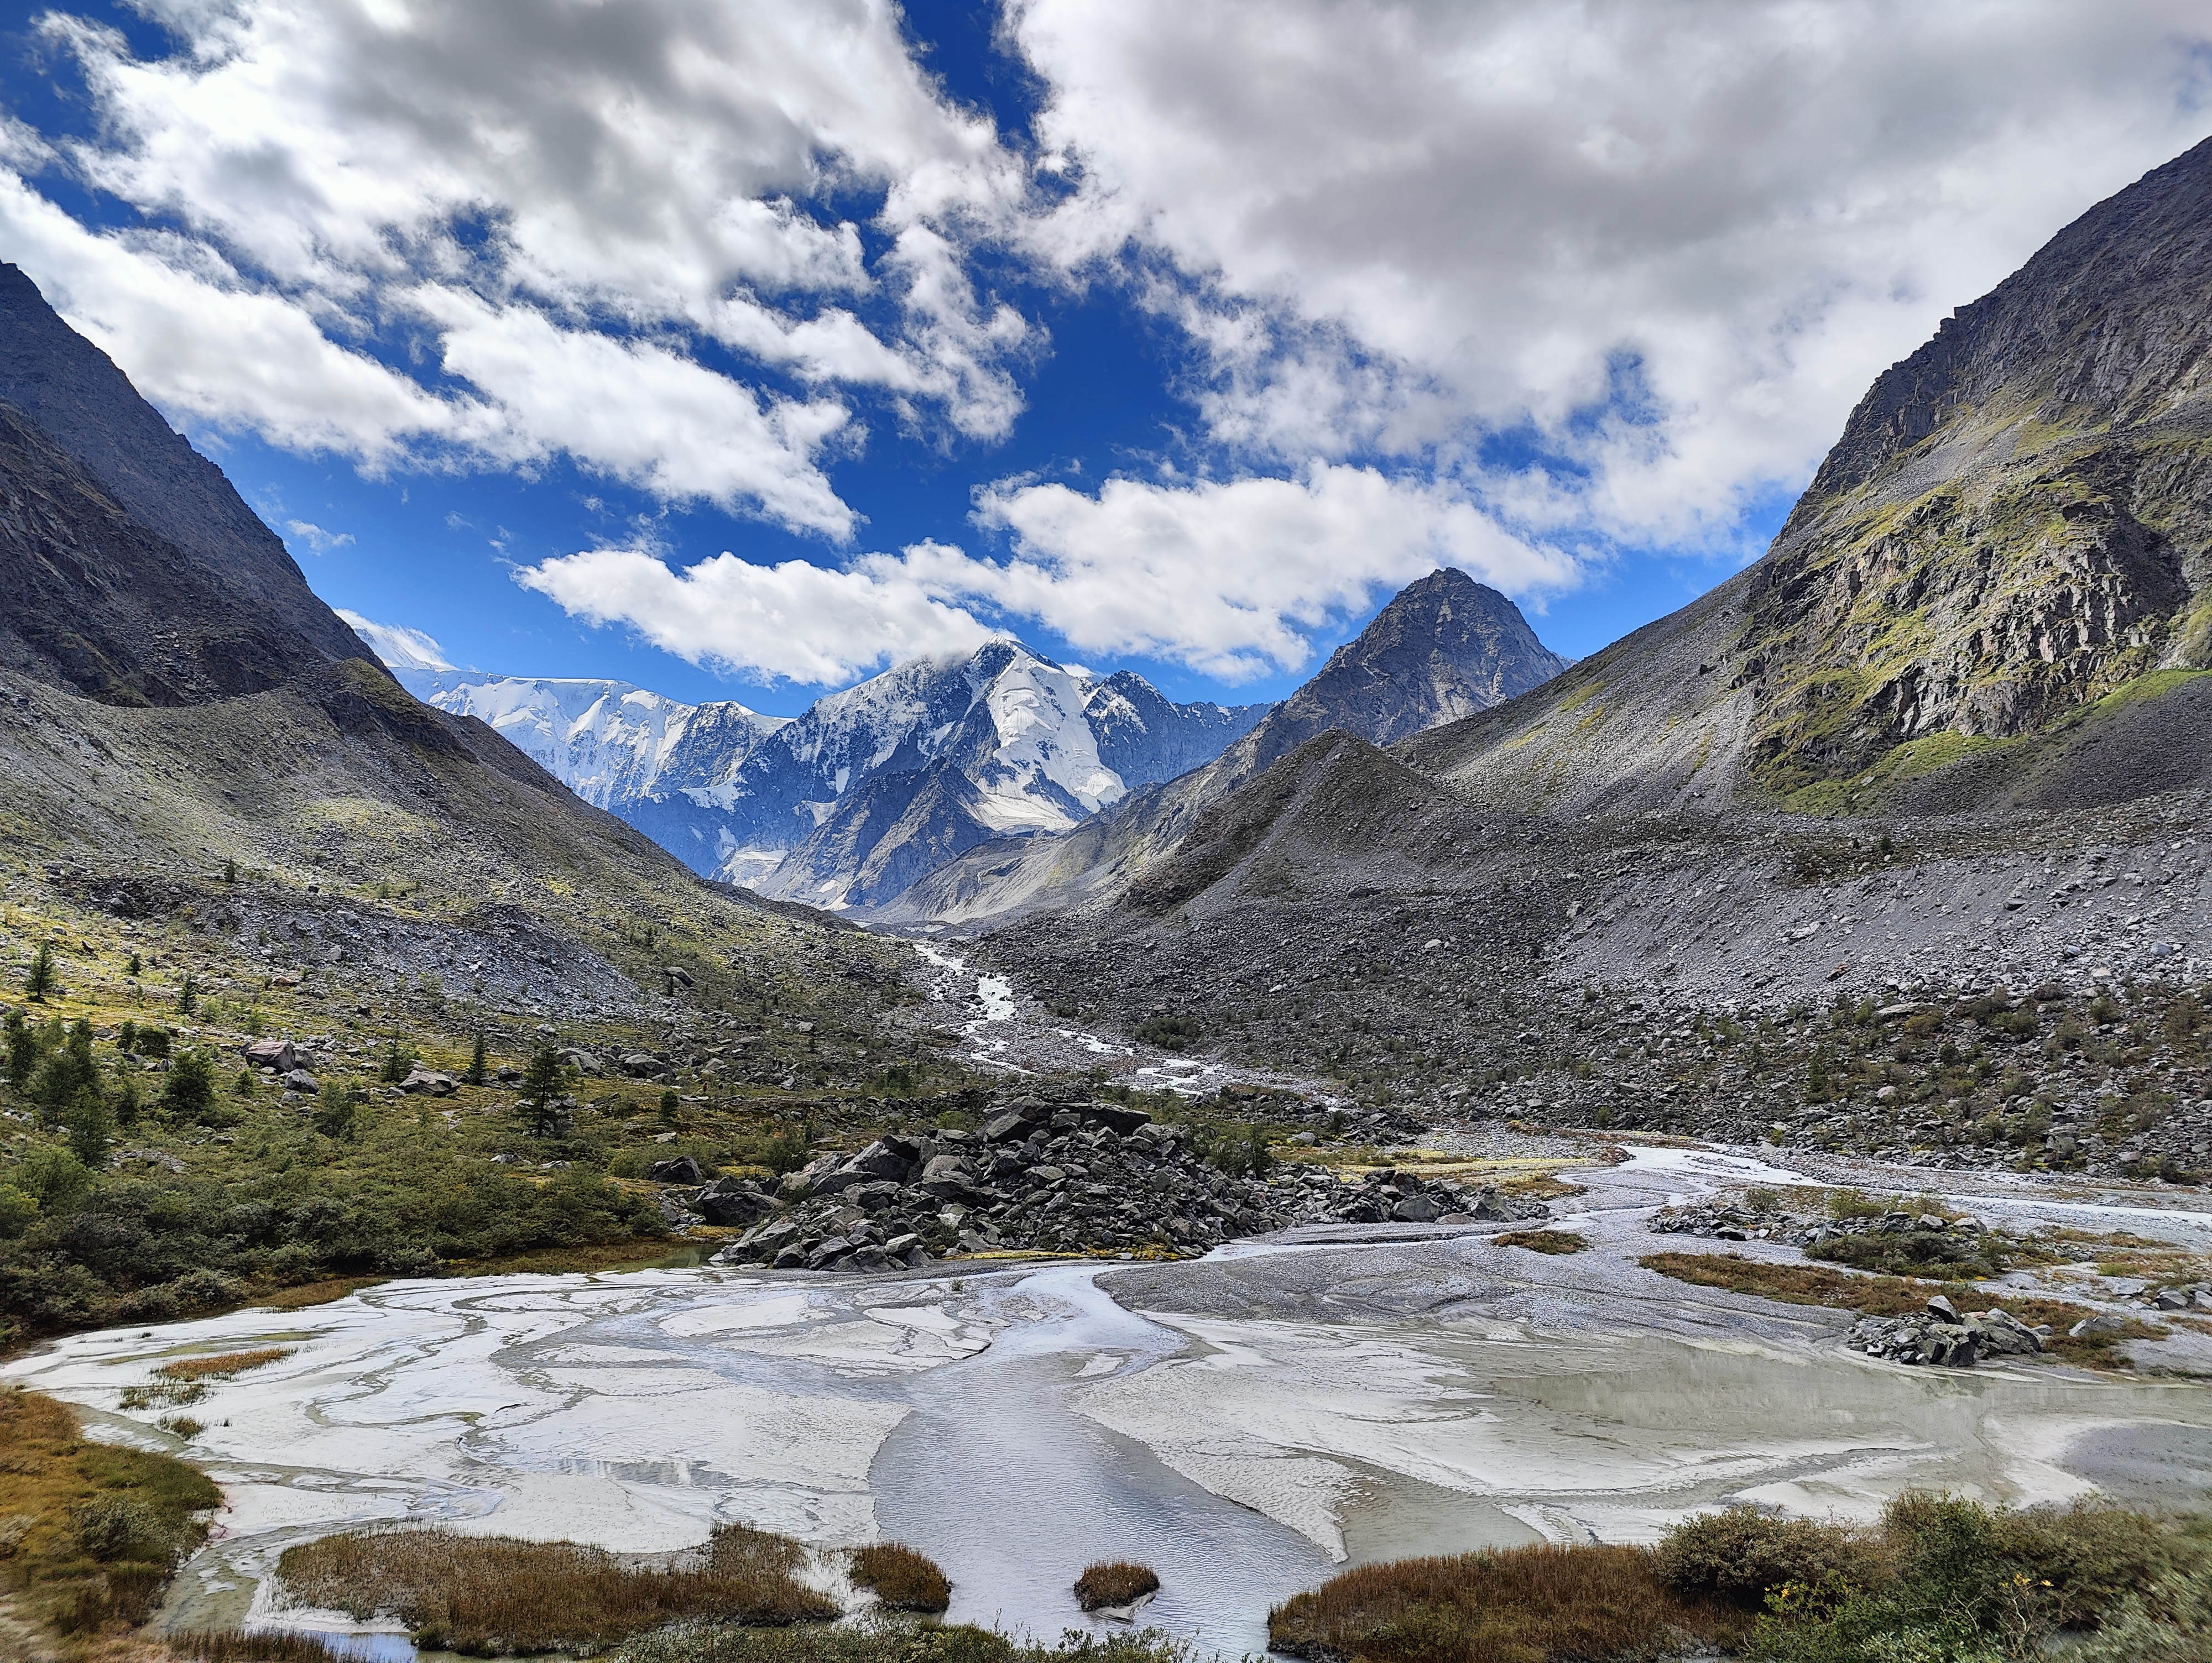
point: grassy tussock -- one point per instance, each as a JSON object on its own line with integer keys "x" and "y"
{"x": 888, "y": 1641}
{"x": 89, "y": 1534}
{"x": 227, "y": 1366}
{"x": 1891, "y": 1296}
{"x": 1117, "y": 1582}
{"x": 237, "y": 1645}
{"x": 902, "y": 1579}
{"x": 1551, "y": 1242}
{"x": 1526, "y": 1605}
{"x": 493, "y": 1595}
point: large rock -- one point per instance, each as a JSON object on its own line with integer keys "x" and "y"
{"x": 274, "y": 1054}
{"x": 299, "y": 1079}
{"x": 731, "y": 1201}
{"x": 682, "y": 1170}
{"x": 428, "y": 1082}
{"x": 881, "y": 1160}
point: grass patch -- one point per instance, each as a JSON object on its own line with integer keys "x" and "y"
{"x": 89, "y": 1534}
{"x": 237, "y": 1645}
{"x": 227, "y": 1366}
{"x": 1551, "y": 1242}
{"x": 902, "y": 1579}
{"x": 308, "y": 1294}
{"x": 1524, "y": 1604}
{"x": 892, "y": 1641}
{"x": 1890, "y": 1295}
{"x": 490, "y": 1596}
{"x": 1115, "y": 1582}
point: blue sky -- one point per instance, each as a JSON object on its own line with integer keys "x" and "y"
{"x": 1169, "y": 336}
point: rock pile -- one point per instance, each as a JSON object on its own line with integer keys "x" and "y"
{"x": 1940, "y": 1335}
{"x": 1055, "y": 1176}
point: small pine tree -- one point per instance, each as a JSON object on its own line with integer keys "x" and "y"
{"x": 189, "y": 1092}
{"x": 91, "y": 1130}
{"x": 39, "y": 980}
{"x": 230, "y": 872}
{"x": 477, "y": 1072}
{"x": 1816, "y": 1081}
{"x": 188, "y": 996}
{"x": 541, "y": 1091}
{"x": 136, "y": 966}
{"x": 399, "y": 1062}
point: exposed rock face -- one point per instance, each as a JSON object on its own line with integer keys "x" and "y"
{"x": 1443, "y": 649}
{"x": 2016, "y": 522}
{"x": 870, "y": 788}
{"x": 1444, "y": 646}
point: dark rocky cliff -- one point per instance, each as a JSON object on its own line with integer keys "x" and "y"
{"x": 129, "y": 569}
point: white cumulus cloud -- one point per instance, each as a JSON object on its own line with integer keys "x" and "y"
{"x": 1398, "y": 229}
{"x": 1229, "y": 578}
{"x": 791, "y": 622}
{"x": 579, "y": 202}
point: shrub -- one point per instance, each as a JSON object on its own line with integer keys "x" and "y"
{"x": 1521, "y": 1604}
{"x": 902, "y": 1579}
{"x": 399, "y": 1062}
{"x": 119, "y": 1527}
{"x": 153, "y": 1041}
{"x": 189, "y": 1091}
{"x": 1737, "y": 1555}
{"x": 1117, "y": 1582}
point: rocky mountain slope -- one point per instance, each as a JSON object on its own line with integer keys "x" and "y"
{"x": 135, "y": 575}
{"x": 184, "y": 721}
{"x": 1443, "y": 645}
{"x": 2015, "y": 525}
{"x": 951, "y": 752}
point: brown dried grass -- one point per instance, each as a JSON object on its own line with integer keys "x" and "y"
{"x": 489, "y": 1596}
{"x": 1116, "y": 1582}
{"x": 903, "y": 1580}
{"x": 1893, "y": 1295}
{"x": 237, "y": 1646}
{"x": 227, "y": 1366}
{"x": 1526, "y": 1604}
{"x": 1551, "y": 1242}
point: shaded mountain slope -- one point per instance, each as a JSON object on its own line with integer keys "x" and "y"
{"x": 162, "y": 540}
{"x": 2016, "y": 523}
{"x": 177, "y": 701}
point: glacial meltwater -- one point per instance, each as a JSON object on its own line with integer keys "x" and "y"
{"x": 1244, "y": 1423}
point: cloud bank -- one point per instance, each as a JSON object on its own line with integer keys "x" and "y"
{"x": 1530, "y": 288}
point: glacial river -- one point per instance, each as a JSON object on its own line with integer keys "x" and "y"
{"x": 1243, "y": 1423}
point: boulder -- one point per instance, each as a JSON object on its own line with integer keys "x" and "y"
{"x": 1417, "y": 1210}
{"x": 276, "y": 1054}
{"x": 1124, "y": 1122}
{"x": 642, "y": 1065}
{"x": 428, "y": 1082}
{"x": 880, "y": 1159}
{"x": 729, "y": 1201}
{"x": 681, "y": 1170}
{"x": 299, "y": 1079}
{"x": 1007, "y": 1128}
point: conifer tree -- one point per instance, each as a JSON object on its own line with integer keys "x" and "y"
{"x": 39, "y": 980}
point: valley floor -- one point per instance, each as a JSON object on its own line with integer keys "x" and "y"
{"x": 1242, "y": 1422}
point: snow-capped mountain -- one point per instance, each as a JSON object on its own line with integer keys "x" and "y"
{"x": 870, "y": 787}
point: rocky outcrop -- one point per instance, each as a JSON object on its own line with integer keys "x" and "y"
{"x": 2016, "y": 523}
{"x": 1941, "y": 1337}
{"x": 1060, "y": 1174}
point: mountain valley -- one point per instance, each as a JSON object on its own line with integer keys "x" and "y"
{"x": 498, "y": 1097}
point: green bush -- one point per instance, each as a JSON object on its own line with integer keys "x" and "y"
{"x": 118, "y": 1527}
{"x": 1740, "y": 1554}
